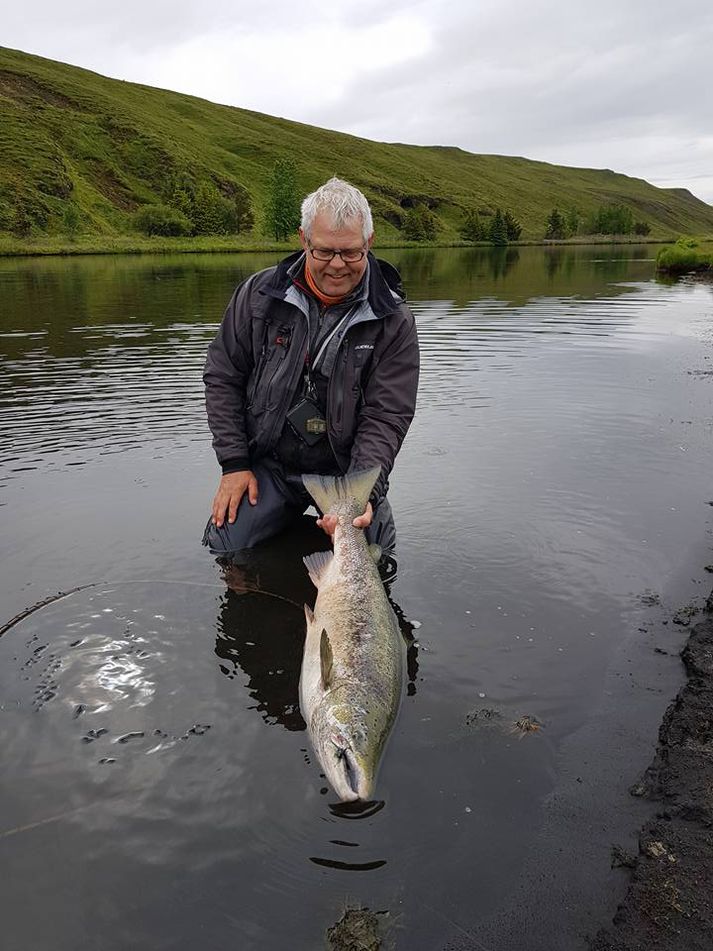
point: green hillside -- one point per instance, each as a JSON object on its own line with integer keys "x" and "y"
{"x": 80, "y": 154}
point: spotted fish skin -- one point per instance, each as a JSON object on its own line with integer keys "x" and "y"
{"x": 351, "y": 681}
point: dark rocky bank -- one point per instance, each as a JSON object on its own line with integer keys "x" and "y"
{"x": 669, "y": 903}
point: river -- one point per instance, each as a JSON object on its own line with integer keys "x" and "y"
{"x": 553, "y": 508}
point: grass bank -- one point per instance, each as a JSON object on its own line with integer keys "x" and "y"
{"x": 237, "y": 244}
{"x": 135, "y": 244}
{"x": 685, "y": 256}
{"x": 84, "y": 154}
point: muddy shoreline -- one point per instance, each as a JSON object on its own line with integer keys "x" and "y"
{"x": 669, "y": 902}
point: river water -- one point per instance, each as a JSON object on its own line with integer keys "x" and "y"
{"x": 553, "y": 506}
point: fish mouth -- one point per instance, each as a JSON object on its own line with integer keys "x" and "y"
{"x": 350, "y": 781}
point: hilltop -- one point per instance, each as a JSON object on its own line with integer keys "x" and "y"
{"x": 81, "y": 152}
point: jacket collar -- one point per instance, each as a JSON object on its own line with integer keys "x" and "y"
{"x": 385, "y": 291}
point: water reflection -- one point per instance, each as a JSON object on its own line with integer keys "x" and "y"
{"x": 502, "y": 260}
{"x": 105, "y": 355}
{"x": 260, "y": 624}
{"x": 261, "y": 636}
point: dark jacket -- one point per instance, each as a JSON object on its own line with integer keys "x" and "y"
{"x": 256, "y": 360}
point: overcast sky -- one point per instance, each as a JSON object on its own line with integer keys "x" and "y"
{"x": 620, "y": 84}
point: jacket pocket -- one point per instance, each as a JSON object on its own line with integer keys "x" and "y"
{"x": 276, "y": 341}
{"x": 256, "y": 375}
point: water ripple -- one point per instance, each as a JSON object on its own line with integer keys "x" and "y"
{"x": 116, "y": 396}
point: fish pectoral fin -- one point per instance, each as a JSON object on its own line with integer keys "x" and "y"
{"x": 326, "y": 659}
{"x": 309, "y": 615}
{"x": 317, "y": 565}
{"x": 375, "y": 552}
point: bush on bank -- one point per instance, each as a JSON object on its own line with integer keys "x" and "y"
{"x": 163, "y": 221}
{"x": 684, "y": 256}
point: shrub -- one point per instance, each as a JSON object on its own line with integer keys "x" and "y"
{"x": 420, "y": 224}
{"x": 212, "y": 213}
{"x": 683, "y": 256}
{"x": 610, "y": 219}
{"x": 513, "y": 227}
{"x": 556, "y": 227}
{"x": 473, "y": 228}
{"x": 161, "y": 220}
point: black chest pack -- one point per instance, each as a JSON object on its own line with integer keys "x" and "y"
{"x": 307, "y": 420}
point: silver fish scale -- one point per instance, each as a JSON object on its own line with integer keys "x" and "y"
{"x": 359, "y": 707}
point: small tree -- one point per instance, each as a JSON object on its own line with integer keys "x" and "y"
{"x": 556, "y": 228}
{"x": 283, "y": 204}
{"x": 241, "y": 210}
{"x": 611, "y": 219}
{"x": 181, "y": 197}
{"x": 513, "y": 228}
{"x": 573, "y": 220}
{"x": 498, "y": 233}
{"x": 642, "y": 227}
{"x": 473, "y": 228}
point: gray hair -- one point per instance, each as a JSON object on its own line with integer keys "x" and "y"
{"x": 342, "y": 202}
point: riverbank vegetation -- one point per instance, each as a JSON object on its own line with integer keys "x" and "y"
{"x": 88, "y": 162}
{"x": 613, "y": 219}
{"x": 685, "y": 256}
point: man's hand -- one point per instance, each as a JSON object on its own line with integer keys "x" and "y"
{"x": 232, "y": 488}
{"x": 329, "y": 522}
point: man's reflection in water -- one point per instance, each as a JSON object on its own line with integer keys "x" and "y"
{"x": 261, "y": 624}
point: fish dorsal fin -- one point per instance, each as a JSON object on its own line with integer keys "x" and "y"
{"x": 375, "y": 552}
{"x": 326, "y": 659}
{"x": 328, "y": 490}
{"x": 317, "y": 565}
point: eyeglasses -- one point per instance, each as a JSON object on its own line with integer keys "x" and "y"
{"x": 348, "y": 255}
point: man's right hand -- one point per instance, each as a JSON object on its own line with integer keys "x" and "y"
{"x": 232, "y": 488}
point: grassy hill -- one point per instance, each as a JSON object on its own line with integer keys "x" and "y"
{"x": 82, "y": 153}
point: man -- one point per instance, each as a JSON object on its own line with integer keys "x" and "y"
{"x": 314, "y": 369}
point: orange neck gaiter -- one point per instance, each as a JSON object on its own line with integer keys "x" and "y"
{"x": 320, "y": 295}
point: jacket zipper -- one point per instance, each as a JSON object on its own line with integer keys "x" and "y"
{"x": 281, "y": 408}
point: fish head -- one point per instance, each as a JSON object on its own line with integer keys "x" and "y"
{"x": 348, "y": 771}
{"x": 347, "y": 759}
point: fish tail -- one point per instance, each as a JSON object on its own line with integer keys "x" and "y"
{"x": 328, "y": 490}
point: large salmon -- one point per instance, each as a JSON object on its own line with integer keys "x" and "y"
{"x": 352, "y": 668}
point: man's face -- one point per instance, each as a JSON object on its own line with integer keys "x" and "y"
{"x": 335, "y": 278}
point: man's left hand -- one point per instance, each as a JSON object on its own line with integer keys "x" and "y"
{"x": 329, "y": 522}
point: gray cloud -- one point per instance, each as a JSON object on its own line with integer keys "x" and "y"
{"x": 616, "y": 88}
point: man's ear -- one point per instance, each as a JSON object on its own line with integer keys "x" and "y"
{"x": 303, "y": 240}
{"x": 371, "y": 240}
